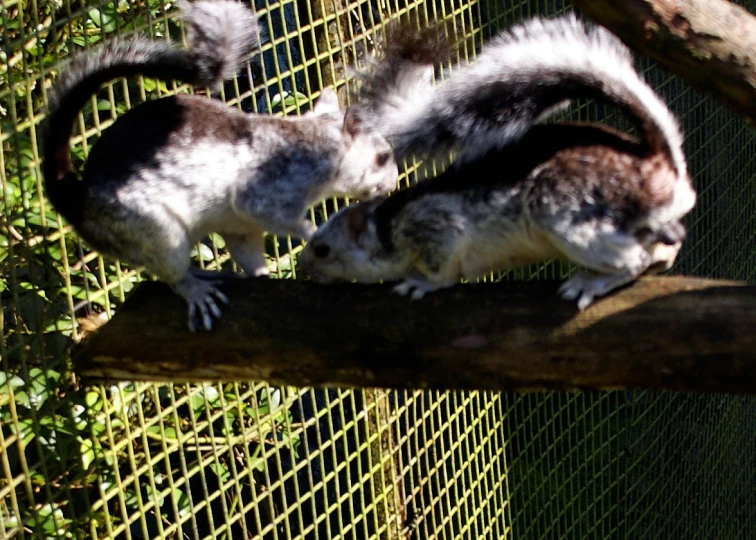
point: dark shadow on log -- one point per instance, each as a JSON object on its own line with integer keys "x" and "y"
{"x": 672, "y": 333}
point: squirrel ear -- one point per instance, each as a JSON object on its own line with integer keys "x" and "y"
{"x": 356, "y": 222}
{"x": 328, "y": 102}
{"x": 352, "y": 121}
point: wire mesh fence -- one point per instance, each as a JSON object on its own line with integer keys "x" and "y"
{"x": 247, "y": 460}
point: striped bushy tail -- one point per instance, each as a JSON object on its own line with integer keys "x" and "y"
{"x": 221, "y": 34}
{"x": 520, "y": 76}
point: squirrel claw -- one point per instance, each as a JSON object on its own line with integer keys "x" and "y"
{"x": 417, "y": 287}
{"x": 202, "y": 298}
{"x": 585, "y": 288}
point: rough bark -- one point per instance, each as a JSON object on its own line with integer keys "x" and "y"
{"x": 663, "y": 332}
{"x": 709, "y": 43}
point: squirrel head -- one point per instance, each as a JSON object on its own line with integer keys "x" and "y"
{"x": 367, "y": 167}
{"x": 347, "y": 247}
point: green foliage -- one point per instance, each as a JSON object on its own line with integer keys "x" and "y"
{"x": 69, "y": 441}
{"x": 33, "y": 269}
{"x": 287, "y": 100}
{"x": 73, "y": 438}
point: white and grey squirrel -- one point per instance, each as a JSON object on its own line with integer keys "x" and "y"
{"x": 521, "y": 193}
{"x": 173, "y": 170}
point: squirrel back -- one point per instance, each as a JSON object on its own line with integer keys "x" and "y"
{"x": 520, "y": 76}
{"x": 221, "y": 34}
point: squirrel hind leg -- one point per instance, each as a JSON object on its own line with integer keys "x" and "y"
{"x": 614, "y": 258}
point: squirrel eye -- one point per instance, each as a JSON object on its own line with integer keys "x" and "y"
{"x": 382, "y": 158}
{"x": 322, "y": 251}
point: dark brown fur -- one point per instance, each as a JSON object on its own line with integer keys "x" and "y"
{"x": 565, "y": 162}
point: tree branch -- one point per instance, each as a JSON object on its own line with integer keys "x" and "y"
{"x": 709, "y": 43}
{"x": 673, "y": 332}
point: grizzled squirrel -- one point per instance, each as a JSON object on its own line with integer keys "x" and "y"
{"x": 173, "y": 170}
{"x": 517, "y": 193}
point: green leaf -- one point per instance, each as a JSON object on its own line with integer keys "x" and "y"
{"x": 98, "y": 428}
{"x": 24, "y": 430}
{"x": 51, "y": 520}
{"x": 197, "y": 402}
{"x": 11, "y": 523}
{"x": 37, "y": 388}
{"x": 154, "y": 495}
{"x": 49, "y": 440}
{"x": 14, "y": 381}
{"x": 22, "y": 398}
{"x": 122, "y": 396}
{"x": 288, "y": 99}
{"x": 262, "y": 411}
{"x": 291, "y": 440}
{"x": 256, "y": 461}
{"x": 149, "y": 85}
{"x": 221, "y": 471}
{"x": 203, "y": 252}
{"x": 218, "y": 240}
{"x": 211, "y": 394}
{"x": 182, "y": 502}
{"x": 167, "y": 432}
{"x": 52, "y": 375}
{"x": 82, "y": 293}
{"x": 87, "y": 452}
{"x": 93, "y": 401}
{"x": 205, "y": 395}
{"x": 35, "y": 50}
{"x": 94, "y": 15}
{"x": 130, "y": 500}
{"x": 293, "y": 99}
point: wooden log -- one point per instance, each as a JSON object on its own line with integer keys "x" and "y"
{"x": 709, "y": 43}
{"x": 674, "y": 333}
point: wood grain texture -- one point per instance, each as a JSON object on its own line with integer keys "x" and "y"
{"x": 662, "y": 332}
{"x": 709, "y": 43}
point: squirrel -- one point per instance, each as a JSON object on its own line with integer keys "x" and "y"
{"x": 583, "y": 192}
{"x": 172, "y": 170}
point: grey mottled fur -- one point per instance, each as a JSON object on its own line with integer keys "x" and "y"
{"x": 173, "y": 170}
{"x": 583, "y": 193}
{"x": 519, "y": 193}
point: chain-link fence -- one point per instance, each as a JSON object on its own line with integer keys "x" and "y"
{"x": 251, "y": 461}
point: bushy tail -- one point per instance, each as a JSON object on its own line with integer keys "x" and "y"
{"x": 221, "y": 34}
{"x": 520, "y": 76}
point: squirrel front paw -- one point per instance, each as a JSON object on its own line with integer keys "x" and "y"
{"x": 585, "y": 288}
{"x": 202, "y": 298}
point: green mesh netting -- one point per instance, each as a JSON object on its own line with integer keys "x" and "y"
{"x": 250, "y": 461}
